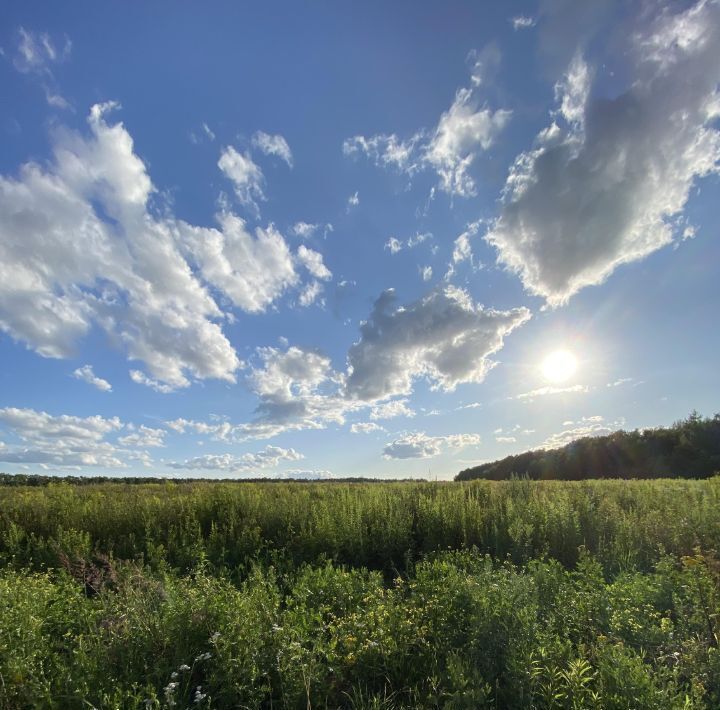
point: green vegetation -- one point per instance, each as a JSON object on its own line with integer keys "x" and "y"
{"x": 517, "y": 594}
{"x": 688, "y": 449}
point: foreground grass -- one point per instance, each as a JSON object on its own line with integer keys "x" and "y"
{"x": 589, "y": 595}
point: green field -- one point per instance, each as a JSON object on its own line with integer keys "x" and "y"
{"x": 596, "y": 594}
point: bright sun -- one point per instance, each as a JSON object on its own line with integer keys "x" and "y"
{"x": 559, "y": 366}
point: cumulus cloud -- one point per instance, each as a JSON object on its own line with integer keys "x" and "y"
{"x": 143, "y": 437}
{"x": 463, "y": 131}
{"x": 297, "y": 389}
{"x": 310, "y": 294}
{"x": 466, "y": 129}
{"x": 365, "y": 427}
{"x": 273, "y": 145}
{"x": 140, "y": 378}
{"x": 390, "y": 410}
{"x": 252, "y": 270}
{"x": 607, "y": 181}
{"x": 245, "y": 175}
{"x": 62, "y": 440}
{"x": 444, "y": 337}
{"x": 269, "y": 457}
{"x": 86, "y": 374}
{"x": 418, "y": 445}
{"x": 81, "y": 246}
{"x": 313, "y": 262}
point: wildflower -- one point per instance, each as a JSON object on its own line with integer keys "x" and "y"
{"x": 174, "y": 674}
{"x": 214, "y": 638}
{"x": 199, "y": 695}
{"x": 184, "y": 667}
{"x": 203, "y": 657}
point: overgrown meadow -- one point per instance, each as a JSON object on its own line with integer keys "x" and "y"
{"x": 517, "y": 594}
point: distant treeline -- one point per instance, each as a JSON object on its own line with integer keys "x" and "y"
{"x": 32, "y": 479}
{"x": 688, "y": 449}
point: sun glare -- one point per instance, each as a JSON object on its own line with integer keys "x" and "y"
{"x": 559, "y": 366}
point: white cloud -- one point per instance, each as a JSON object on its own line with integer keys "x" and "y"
{"x": 144, "y": 437}
{"x": 269, "y": 457}
{"x": 60, "y": 440}
{"x": 505, "y": 439}
{"x": 246, "y": 176}
{"x": 591, "y": 426}
{"x": 385, "y": 150}
{"x": 522, "y": 22}
{"x": 251, "y": 270}
{"x": 36, "y": 54}
{"x": 443, "y": 336}
{"x": 81, "y": 247}
{"x": 71, "y": 268}
{"x": 310, "y": 294}
{"x": 426, "y": 273}
{"x": 418, "y": 445}
{"x": 313, "y": 262}
{"x": 304, "y": 229}
{"x": 140, "y": 378}
{"x": 419, "y": 238}
{"x": 300, "y": 474}
{"x": 544, "y": 391}
{"x": 390, "y": 410}
{"x": 86, "y": 374}
{"x": 353, "y": 201}
{"x": 297, "y": 389}
{"x": 462, "y": 250}
{"x": 607, "y": 184}
{"x": 273, "y": 145}
{"x": 619, "y": 382}
{"x": 37, "y": 51}
{"x": 462, "y": 132}
{"x": 394, "y": 245}
{"x": 365, "y": 428}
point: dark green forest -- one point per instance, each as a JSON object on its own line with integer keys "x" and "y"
{"x": 688, "y": 449}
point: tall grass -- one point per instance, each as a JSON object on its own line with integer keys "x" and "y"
{"x": 625, "y": 524}
{"x": 479, "y": 595}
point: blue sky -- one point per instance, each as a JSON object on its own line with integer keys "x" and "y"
{"x": 282, "y": 239}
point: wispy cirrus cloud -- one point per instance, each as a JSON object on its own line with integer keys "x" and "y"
{"x": 464, "y": 131}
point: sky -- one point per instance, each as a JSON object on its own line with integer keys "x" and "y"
{"x": 352, "y": 239}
